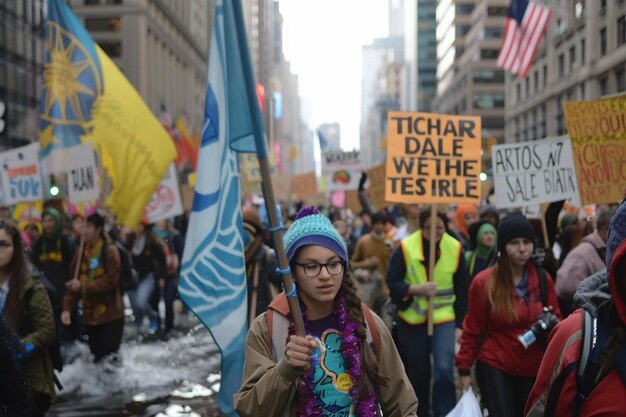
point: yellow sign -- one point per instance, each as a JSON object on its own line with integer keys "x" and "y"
{"x": 433, "y": 158}
{"x": 597, "y": 130}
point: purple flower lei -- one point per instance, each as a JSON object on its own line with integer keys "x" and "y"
{"x": 310, "y": 404}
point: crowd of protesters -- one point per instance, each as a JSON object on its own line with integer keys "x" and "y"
{"x": 68, "y": 281}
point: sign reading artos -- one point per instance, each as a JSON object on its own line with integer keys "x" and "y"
{"x": 433, "y": 158}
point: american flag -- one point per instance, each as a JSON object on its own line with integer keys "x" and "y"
{"x": 525, "y": 26}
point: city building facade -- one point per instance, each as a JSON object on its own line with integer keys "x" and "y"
{"x": 161, "y": 46}
{"x": 21, "y": 70}
{"x": 582, "y": 57}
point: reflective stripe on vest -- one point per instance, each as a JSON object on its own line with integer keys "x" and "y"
{"x": 445, "y": 268}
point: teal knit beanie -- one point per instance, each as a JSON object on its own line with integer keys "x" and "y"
{"x": 313, "y": 228}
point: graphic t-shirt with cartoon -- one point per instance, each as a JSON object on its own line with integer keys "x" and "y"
{"x": 332, "y": 382}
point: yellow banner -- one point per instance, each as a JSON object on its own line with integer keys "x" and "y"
{"x": 597, "y": 130}
{"x": 433, "y": 158}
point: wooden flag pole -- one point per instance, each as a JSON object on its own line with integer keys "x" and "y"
{"x": 279, "y": 247}
{"x": 431, "y": 263}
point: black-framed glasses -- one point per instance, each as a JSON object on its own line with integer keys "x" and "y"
{"x": 313, "y": 269}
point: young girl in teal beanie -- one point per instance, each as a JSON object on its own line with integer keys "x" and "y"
{"x": 335, "y": 369}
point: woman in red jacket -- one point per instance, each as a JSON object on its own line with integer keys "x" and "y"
{"x": 500, "y": 328}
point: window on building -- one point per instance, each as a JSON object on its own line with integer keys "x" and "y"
{"x": 582, "y": 51}
{"x": 489, "y": 53}
{"x": 560, "y": 121}
{"x": 604, "y": 85}
{"x": 603, "y": 41}
{"x": 462, "y": 30}
{"x": 488, "y": 76}
{"x": 560, "y": 26}
{"x": 545, "y": 76}
{"x": 493, "y": 122}
{"x": 532, "y": 125}
{"x": 536, "y": 79}
{"x": 620, "y": 77}
{"x": 527, "y": 82}
{"x": 112, "y": 49}
{"x": 518, "y": 91}
{"x": 572, "y": 57}
{"x": 522, "y": 130}
{"x": 541, "y": 121}
{"x": 579, "y": 9}
{"x": 103, "y": 24}
{"x": 488, "y": 101}
{"x": 497, "y": 11}
{"x": 602, "y": 6}
{"x": 494, "y": 33}
{"x": 621, "y": 31}
{"x": 561, "y": 65}
{"x": 464, "y": 9}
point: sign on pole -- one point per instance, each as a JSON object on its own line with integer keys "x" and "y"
{"x": 531, "y": 173}
{"x": 82, "y": 174}
{"x": 598, "y": 132}
{"x": 342, "y": 170}
{"x": 433, "y": 158}
{"x": 165, "y": 202}
{"x": 21, "y": 175}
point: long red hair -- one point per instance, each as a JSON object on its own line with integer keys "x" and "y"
{"x": 500, "y": 289}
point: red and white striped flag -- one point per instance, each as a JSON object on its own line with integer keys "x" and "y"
{"x": 523, "y": 31}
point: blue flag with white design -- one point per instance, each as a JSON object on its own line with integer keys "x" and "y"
{"x": 213, "y": 277}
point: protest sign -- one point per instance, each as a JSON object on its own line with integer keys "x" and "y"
{"x": 21, "y": 175}
{"x": 598, "y": 133}
{"x": 376, "y": 188}
{"x": 166, "y": 201}
{"x": 82, "y": 174}
{"x": 433, "y": 158}
{"x": 535, "y": 172}
{"x": 342, "y": 170}
{"x": 304, "y": 185}
{"x": 352, "y": 202}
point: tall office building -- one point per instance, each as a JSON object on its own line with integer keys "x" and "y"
{"x": 161, "y": 46}
{"x": 469, "y": 36}
{"x": 583, "y": 57}
{"x": 420, "y": 55}
{"x": 21, "y": 70}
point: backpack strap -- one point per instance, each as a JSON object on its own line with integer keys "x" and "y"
{"x": 583, "y": 385}
{"x": 278, "y": 330}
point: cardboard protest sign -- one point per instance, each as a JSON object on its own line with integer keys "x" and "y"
{"x": 433, "y": 158}
{"x": 352, "y": 202}
{"x": 304, "y": 185}
{"x": 166, "y": 201}
{"x": 376, "y": 189}
{"x": 21, "y": 175}
{"x": 598, "y": 133}
{"x": 535, "y": 172}
{"x": 82, "y": 174}
{"x": 342, "y": 170}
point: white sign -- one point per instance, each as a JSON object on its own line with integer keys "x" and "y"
{"x": 82, "y": 174}
{"x": 342, "y": 170}
{"x": 535, "y": 172}
{"x": 165, "y": 202}
{"x": 21, "y": 175}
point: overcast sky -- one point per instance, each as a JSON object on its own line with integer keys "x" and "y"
{"x": 322, "y": 39}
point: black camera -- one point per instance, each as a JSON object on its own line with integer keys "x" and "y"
{"x": 542, "y": 327}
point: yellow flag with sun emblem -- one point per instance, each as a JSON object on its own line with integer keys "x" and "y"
{"x": 87, "y": 99}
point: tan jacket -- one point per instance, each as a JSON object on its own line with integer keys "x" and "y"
{"x": 268, "y": 389}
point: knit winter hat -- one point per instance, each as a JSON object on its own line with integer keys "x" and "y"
{"x": 313, "y": 228}
{"x": 513, "y": 226}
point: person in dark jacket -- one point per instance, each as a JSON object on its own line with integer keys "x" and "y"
{"x": 97, "y": 286}
{"x": 604, "y": 296}
{"x": 28, "y": 310}
{"x": 52, "y": 254}
{"x": 262, "y": 280}
{"x": 483, "y": 239}
{"x": 149, "y": 260}
{"x": 15, "y": 398}
{"x": 504, "y": 302}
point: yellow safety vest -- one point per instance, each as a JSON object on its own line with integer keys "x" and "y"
{"x": 445, "y": 268}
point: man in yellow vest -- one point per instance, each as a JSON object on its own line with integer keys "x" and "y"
{"x": 407, "y": 278}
